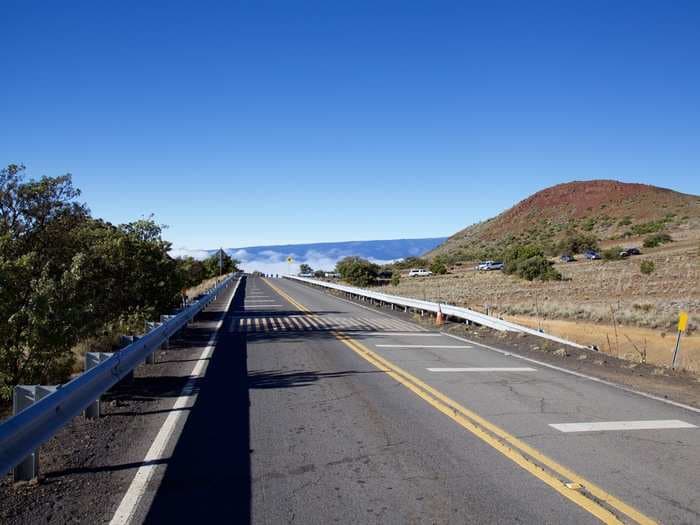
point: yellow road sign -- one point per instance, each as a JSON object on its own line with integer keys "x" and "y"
{"x": 682, "y": 321}
{"x": 289, "y": 259}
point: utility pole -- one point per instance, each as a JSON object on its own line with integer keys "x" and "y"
{"x": 221, "y": 262}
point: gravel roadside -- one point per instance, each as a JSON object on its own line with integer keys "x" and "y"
{"x": 87, "y": 467}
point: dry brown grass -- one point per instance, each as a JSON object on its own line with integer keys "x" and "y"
{"x": 597, "y": 301}
{"x": 203, "y": 286}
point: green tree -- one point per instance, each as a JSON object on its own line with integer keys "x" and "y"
{"x": 211, "y": 263}
{"x": 305, "y": 268}
{"x": 395, "y": 278}
{"x": 357, "y": 271}
{"x": 576, "y": 242}
{"x": 528, "y": 261}
{"x": 65, "y": 277}
{"x": 438, "y": 267}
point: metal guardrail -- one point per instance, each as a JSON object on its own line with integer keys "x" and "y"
{"x": 447, "y": 309}
{"x": 23, "y": 433}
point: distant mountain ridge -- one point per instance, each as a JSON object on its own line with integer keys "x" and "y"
{"x": 321, "y": 255}
{"x": 608, "y": 209}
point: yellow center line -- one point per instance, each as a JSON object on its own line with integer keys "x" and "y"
{"x": 569, "y": 484}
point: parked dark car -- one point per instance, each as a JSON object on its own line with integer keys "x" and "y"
{"x": 567, "y": 258}
{"x": 630, "y": 251}
{"x": 591, "y": 255}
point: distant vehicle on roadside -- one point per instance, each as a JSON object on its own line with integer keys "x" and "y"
{"x": 591, "y": 255}
{"x": 332, "y": 275}
{"x": 490, "y": 265}
{"x": 630, "y": 251}
{"x": 567, "y": 258}
{"x": 419, "y": 272}
{"x": 307, "y": 274}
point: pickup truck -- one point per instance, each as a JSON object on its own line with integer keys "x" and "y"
{"x": 419, "y": 272}
{"x": 489, "y": 265}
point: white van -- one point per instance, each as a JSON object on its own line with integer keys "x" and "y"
{"x": 419, "y": 272}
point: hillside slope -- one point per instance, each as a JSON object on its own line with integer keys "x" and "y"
{"x": 607, "y": 209}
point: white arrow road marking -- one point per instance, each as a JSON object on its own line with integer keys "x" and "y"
{"x": 600, "y": 426}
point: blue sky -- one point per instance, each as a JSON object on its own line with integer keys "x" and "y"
{"x": 248, "y": 123}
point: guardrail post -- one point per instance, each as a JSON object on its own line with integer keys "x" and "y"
{"x": 151, "y": 358}
{"x": 24, "y": 396}
{"x": 124, "y": 341}
{"x": 166, "y": 343}
{"x": 92, "y": 359}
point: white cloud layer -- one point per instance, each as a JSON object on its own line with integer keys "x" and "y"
{"x": 271, "y": 261}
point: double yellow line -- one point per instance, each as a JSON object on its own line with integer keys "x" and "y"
{"x": 590, "y": 497}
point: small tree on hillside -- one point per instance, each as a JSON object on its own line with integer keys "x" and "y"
{"x": 357, "y": 271}
{"x": 305, "y": 268}
{"x": 228, "y": 264}
{"x": 438, "y": 266}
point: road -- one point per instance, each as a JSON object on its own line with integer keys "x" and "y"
{"x": 318, "y": 410}
{"x": 285, "y": 404}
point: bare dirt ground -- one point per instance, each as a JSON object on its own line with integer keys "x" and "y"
{"x": 608, "y": 304}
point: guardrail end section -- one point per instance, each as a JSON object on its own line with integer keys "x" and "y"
{"x": 23, "y": 397}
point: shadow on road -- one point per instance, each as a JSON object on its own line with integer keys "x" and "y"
{"x": 296, "y": 378}
{"x": 207, "y": 479}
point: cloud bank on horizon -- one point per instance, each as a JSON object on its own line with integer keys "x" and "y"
{"x": 323, "y": 256}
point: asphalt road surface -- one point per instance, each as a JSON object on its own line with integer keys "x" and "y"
{"x": 285, "y": 404}
{"x": 318, "y": 410}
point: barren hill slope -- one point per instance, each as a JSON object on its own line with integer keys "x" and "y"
{"x": 607, "y": 209}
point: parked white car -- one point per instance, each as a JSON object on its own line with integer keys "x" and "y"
{"x": 419, "y": 272}
{"x": 490, "y": 265}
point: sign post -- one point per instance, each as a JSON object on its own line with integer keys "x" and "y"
{"x": 682, "y": 327}
{"x": 289, "y": 264}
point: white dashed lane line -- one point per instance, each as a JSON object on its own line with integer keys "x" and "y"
{"x": 483, "y": 369}
{"x": 601, "y": 426}
{"x": 424, "y": 346}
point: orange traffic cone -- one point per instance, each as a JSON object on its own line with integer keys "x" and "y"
{"x": 439, "y": 318}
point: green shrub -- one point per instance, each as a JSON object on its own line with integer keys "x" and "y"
{"x": 625, "y": 221}
{"x": 411, "y": 262}
{"x": 528, "y": 261}
{"x": 537, "y": 267}
{"x": 576, "y": 242}
{"x": 647, "y": 267}
{"x": 395, "y": 278}
{"x": 612, "y": 254}
{"x": 655, "y": 240}
{"x": 517, "y": 253}
{"x": 649, "y": 227}
{"x": 438, "y": 266}
{"x": 589, "y": 224}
